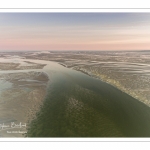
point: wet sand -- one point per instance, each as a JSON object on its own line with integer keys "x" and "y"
{"x": 129, "y": 71}
{"x": 76, "y": 105}
{"x": 21, "y": 96}
{"x": 18, "y": 66}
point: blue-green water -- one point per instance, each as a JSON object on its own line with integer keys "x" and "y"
{"x": 78, "y": 105}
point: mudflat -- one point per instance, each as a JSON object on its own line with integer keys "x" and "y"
{"x": 21, "y": 96}
{"x": 18, "y": 66}
{"x": 129, "y": 71}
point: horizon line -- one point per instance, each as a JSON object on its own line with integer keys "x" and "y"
{"x": 66, "y": 50}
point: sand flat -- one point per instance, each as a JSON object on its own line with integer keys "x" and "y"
{"x": 21, "y": 101}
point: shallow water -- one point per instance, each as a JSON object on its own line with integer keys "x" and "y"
{"x": 4, "y": 85}
{"x": 78, "y": 105}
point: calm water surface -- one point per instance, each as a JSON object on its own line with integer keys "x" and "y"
{"x": 78, "y": 105}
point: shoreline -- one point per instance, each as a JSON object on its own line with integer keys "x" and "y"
{"x": 119, "y": 107}
{"x": 111, "y": 82}
{"x": 23, "y": 100}
{"x": 101, "y": 77}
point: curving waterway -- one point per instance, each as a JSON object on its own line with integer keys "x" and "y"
{"x": 77, "y": 105}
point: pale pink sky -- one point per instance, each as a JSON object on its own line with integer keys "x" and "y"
{"x": 97, "y": 31}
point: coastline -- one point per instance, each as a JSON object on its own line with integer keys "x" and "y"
{"x": 86, "y": 102}
{"x": 38, "y": 98}
{"x": 112, "y": 82}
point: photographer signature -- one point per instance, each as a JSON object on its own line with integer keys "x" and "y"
{"x": 12, "y": 125}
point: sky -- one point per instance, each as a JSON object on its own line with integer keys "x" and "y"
{"x": 74, "y": 31}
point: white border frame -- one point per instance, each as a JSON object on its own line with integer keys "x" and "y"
{"x": 74, "y": 10}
